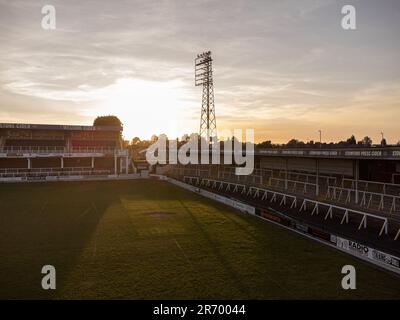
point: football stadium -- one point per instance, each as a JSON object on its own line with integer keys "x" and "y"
{"x": 117, "y": 184}
{"x": 71, "y": 197}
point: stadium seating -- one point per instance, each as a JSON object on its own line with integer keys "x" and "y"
{"x": 58, "y": 150}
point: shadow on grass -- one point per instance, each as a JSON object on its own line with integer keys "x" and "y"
{"x": 46, "y": 224}
{"x": 52, "y": 224}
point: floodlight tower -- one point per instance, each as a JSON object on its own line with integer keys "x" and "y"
{"x": 203, "y": 77}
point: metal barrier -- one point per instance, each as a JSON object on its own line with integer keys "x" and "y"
{"x": 295, "y": 201}
{"x": 266, "y": 177}
{"x": 385, "y": 188}
{"x": 367, "y": 197}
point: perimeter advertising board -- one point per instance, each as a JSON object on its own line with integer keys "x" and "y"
{"x": 362, "y": 250}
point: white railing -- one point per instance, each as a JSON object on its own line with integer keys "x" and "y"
{"x": 294, "y": 202}
{"x": 309, "y": 182}
{"x": 305, "y": 186}
{"x": 44, "y": 149}
{"x": 366, "y": 185}
{"x": 364, "y": 198}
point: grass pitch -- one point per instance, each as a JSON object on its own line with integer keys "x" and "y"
{"x": 147, "y": 239}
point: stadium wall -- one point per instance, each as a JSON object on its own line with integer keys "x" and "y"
{"x": 229, "y": 202}
{"x": 130, "y": 176}
{"x": 326, "y": 166}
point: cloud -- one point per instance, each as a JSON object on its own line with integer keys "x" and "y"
{"x": 273, "y": 60}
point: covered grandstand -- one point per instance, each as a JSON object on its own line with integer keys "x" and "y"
{"x": 48, "y": 152}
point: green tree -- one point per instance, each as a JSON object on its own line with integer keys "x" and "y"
{"x": 352, "y": 140}
{"x": 107, "y": 121}
{"x": 265, "y": 144}
{"x": 366, "y": 141}
{"x": 135, "y": 141}
{"x": 185, "y": 137}
{"x": 295, "y": 143}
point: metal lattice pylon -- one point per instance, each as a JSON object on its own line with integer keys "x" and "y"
{"x": 203, "y": 77}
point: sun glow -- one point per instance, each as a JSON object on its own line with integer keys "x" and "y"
{"x": 147, "y": 107}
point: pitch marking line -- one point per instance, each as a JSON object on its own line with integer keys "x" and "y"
{"x": 184, "y": 254}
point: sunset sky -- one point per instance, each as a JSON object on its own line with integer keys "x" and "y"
{"x": 284, "y": 68}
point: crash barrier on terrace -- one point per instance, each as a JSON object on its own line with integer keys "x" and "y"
{"x": 302, "y": 204}
{"x": 307, "y": 177}
{"x": 293, "y": 185}
{"x": 265, "y": 173}
{"x": 372, "y": 186}
{"x": 301, "y": 176}
{"x": 293, "y": 181}
{"x": 375, "y": 196}
{"x": 338, "y": 180}
{"x": 366, "y": 199}
{"x": 360, "y": 250}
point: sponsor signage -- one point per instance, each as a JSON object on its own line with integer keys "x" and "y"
{"x": 277, "y": 217}
{"x": 56, "y": 127}
{"x": 358, "y": 249}
{"x": 55, "y": 178}
{"x": 363, "y": 153}
{"x": 233, "y": 203}
{"x": 385, "y": 258}
{"x": 11, "y": 179}
{"x": 265, "y": 214}
{"x": 301, "y": 227}
{"x": 42, "y": 178}
{"x": 320, "y": 234}
{"x": 355, "y": 247}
